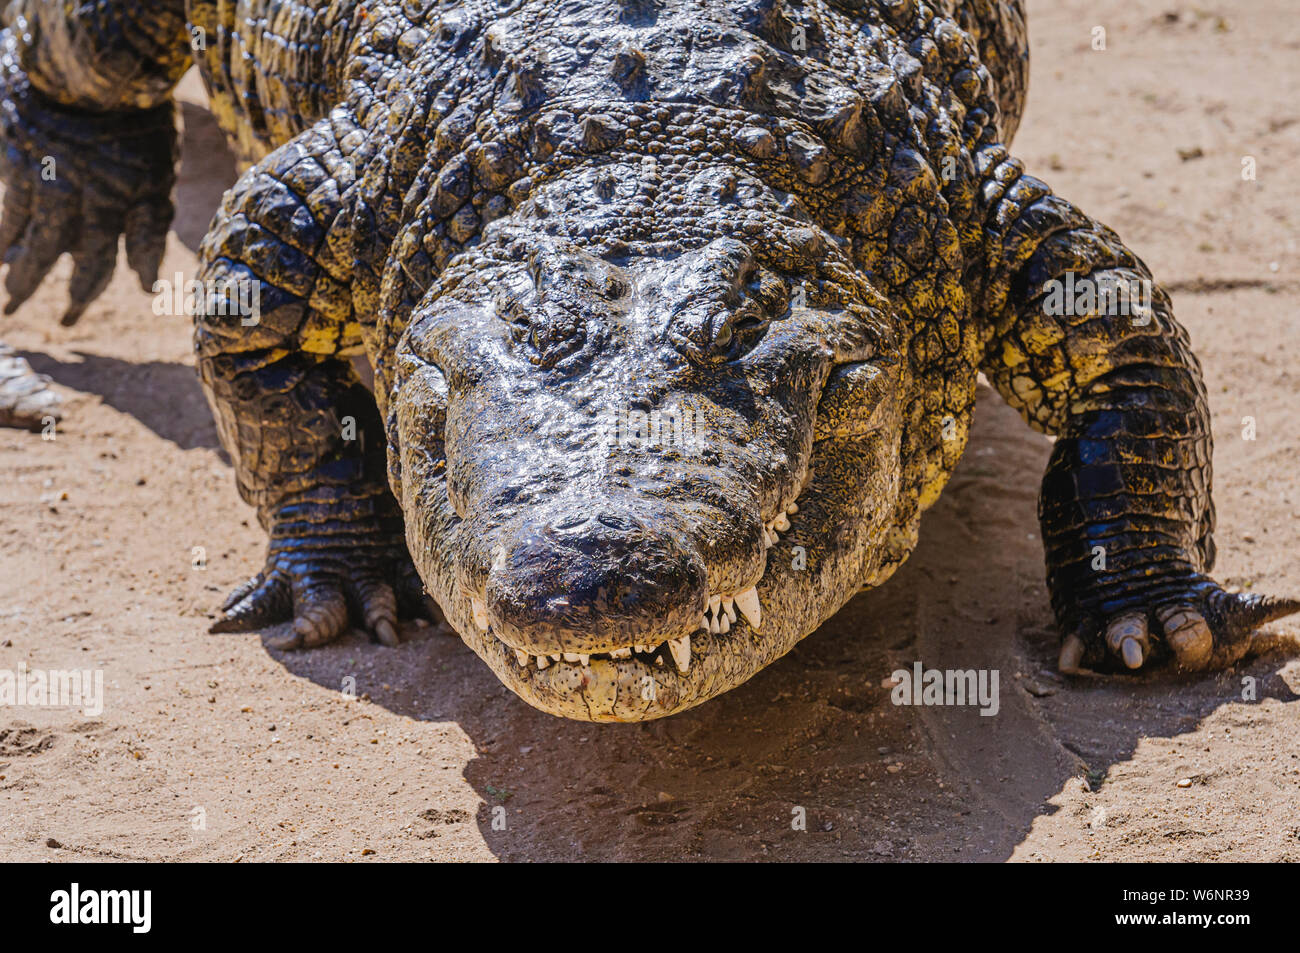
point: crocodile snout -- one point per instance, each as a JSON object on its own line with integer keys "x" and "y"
{"x": 591, "y": 581}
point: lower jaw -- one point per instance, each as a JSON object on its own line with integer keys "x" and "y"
{"x": 631, "y": 689}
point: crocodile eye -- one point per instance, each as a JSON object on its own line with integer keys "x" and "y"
{"x": 722, "y": 301}
{"x": 746, "y": 326}
{"x": 512, "y": 311}
{"x": 764, "y": 297}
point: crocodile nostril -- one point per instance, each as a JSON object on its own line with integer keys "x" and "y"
{"x": 622, "y": 523}
{"x": 615, "y": 521}
{"x": 570, "y": 522}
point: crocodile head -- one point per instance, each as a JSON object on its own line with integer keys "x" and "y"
{"x": 631, "y": 483}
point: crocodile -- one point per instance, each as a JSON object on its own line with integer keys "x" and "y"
{"x": 628, "y": 338}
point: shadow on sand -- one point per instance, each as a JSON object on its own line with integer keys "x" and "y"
{"x": 164, "y": 396}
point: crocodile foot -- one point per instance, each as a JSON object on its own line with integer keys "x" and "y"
{"x": 1202, "y": 627}
{"x": 26, "y": 399}
{"x": 325, "y": 587}
{"x": 75, "y": 182}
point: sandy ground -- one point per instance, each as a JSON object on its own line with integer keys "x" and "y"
{"x": 216, "y": 748}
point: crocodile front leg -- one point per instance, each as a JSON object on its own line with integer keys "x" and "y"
{"x": 1086, "y": 347}
{"x": 303, "y": 431}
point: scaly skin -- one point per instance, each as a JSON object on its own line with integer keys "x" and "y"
{"x": 795, "y": 225}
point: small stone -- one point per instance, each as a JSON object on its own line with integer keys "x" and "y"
{"x": 1185, "y": 783}
{"x": 1036, "y": 689}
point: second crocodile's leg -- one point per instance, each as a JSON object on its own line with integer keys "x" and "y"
{"x": 90, "y": 145}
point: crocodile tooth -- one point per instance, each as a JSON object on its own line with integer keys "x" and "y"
{"x": 729, "y": 607}
{"x": 542, "y": 661}
{"x": 724, "y": 624}
{"x": 584, "y": 658}
{"x": 555, "y": 656}
{"x": 704, "y": 621}
{"x": 571, "y": 656}
{"x": 641, "y": 648}
{"x": 713, "y": 625}
{"x": 714, "y": 602}
{"x": 747, "y": 603}
{"x": 480, "y": 612}
{"x": 621, "y": 653}
{"x": 681, "y": 652}
{"x": 522, "y": 657}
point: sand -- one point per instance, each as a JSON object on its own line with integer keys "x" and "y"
{"x": 217, "y": 748}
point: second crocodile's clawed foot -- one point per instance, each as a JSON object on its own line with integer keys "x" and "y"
{"x": 76, "y": 181}
{"x": 26, "y": 398}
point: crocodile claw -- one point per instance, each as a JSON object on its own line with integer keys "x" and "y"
{"x": 323, "y": 600}
{"x": 1208, "y": 628}
{"x": 26, "y": 399}
{"x": 75, "y": 182}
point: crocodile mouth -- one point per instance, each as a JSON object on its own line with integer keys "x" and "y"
{"x": 722, "y": 613}
{"x": 665, "y": 676}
